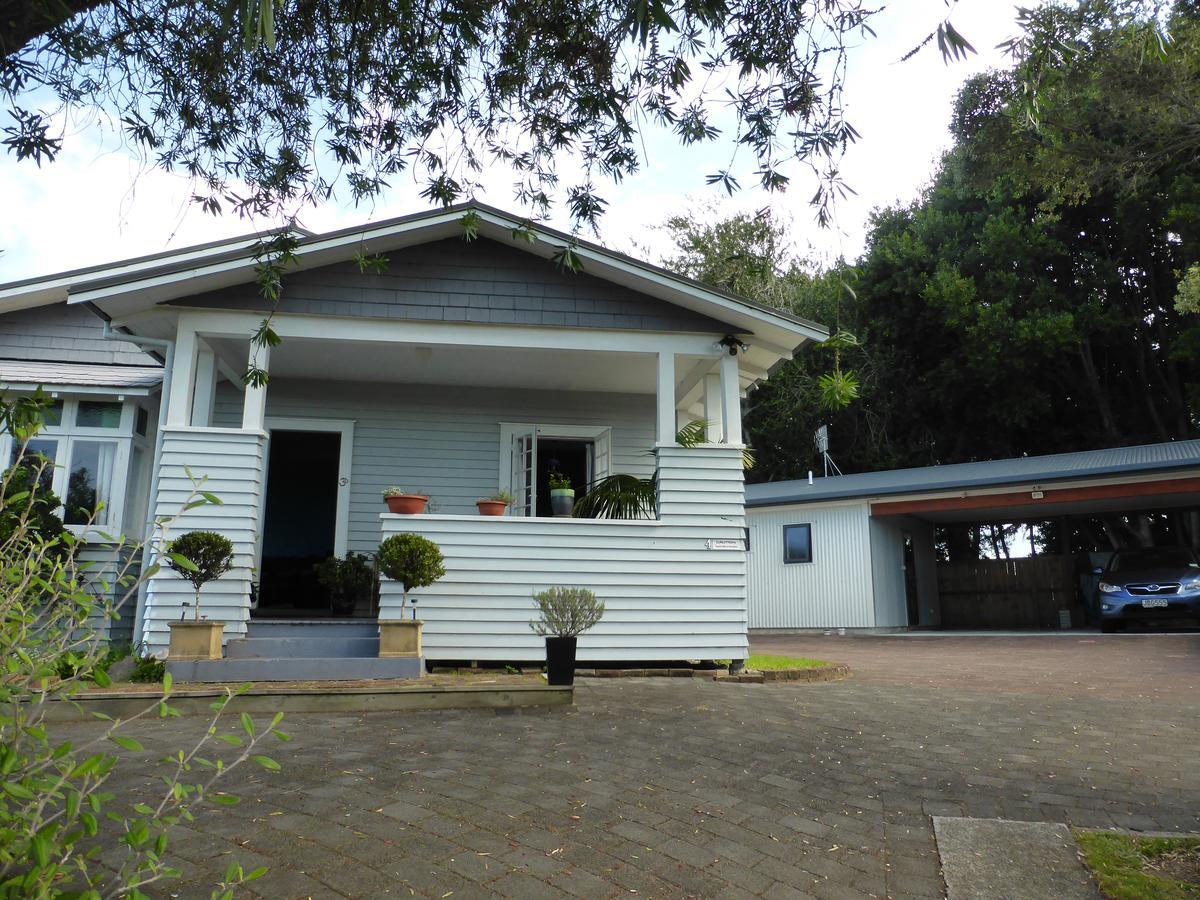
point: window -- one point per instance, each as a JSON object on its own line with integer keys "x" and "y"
{"x": 88, "y": 445}
{"x": 797, "y": 544}
{"x": 528, "y": 454}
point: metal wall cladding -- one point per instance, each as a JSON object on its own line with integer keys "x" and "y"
{"x": 834, "y": 590}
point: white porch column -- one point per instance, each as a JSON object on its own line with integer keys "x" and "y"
{"x": 254, "y": 410}
{"x": 666, "y": 398}
{"x": 183, "y": 377}
{"x": 713, "y": 414}
{"x": 205, "y": 387}
{"x": 731, "y": 402}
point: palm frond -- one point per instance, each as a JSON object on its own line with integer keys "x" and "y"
{"x": 619, "y": 497}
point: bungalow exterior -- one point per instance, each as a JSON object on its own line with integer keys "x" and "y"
{"x": 452, "y": 367}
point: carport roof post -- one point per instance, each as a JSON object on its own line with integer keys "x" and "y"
{"x": 1146, "y": 459}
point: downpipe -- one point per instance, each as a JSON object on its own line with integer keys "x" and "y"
{"x": 168, "y": 348}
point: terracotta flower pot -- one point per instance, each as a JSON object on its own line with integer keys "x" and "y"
{"x": 406, "y": 504}
{"x": 491, "y": 507}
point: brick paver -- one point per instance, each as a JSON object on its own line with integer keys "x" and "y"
{"x": 678, "y": 788}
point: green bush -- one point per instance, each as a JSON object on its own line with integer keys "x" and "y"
{"x": 412, "y": 560}
{"x": 62, "y": 833}
{"x": 147, "y": 670}
{"x": 566, "y": 611}
{"x": 349, "y": 580}
{"x": 200, "y": 557}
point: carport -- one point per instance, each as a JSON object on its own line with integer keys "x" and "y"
{"x": 889, "y": 549}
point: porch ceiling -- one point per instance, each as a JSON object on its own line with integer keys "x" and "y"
{"x": 572, "y": 370}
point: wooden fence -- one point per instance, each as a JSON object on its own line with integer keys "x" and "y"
{"x": 1008, "y": 593}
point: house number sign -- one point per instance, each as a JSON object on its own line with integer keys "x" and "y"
{"x": 724, "y": 544}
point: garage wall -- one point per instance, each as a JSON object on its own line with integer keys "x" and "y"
{"x": 887, "y": 571}
{"x": 834, "y": 590}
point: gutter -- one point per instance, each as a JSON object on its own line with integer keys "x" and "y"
{"x": 168, "y": 348}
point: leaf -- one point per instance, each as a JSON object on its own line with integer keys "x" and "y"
{"x": 225, "y": 799}
{"x": 182, "y": 561}
{"x": 127, "y": 743}
{"x": 266, "y": 762}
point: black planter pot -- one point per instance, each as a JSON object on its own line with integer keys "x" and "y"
{"x": 560, "y": 660}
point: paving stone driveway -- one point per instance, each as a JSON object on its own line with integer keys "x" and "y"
{"x": 677, "y": 788}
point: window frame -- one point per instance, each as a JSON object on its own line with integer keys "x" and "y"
{"x": 807, "y": 526}
{"x": 65, "y": 434}
{"x": 509, "y": 430}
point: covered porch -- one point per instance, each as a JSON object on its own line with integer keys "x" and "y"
{"x": 461, "y": 412}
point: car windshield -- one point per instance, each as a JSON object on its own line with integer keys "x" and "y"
{"x": 1154, "y": 558}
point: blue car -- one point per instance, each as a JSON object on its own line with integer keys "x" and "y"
{"x": 1155, "y": 583}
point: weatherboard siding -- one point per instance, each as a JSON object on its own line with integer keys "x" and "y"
{"x": 443, "y": 440}
{"x": 454, "y": 281}
{"x": 65, "y": 334}
{"x": 232, "y": 462}
{"x": 834, "y": 590}
{"x": 670, "y": 594}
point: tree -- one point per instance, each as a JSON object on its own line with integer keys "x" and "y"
{"x": 270, "y": 104}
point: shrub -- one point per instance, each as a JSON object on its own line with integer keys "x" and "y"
{"x": 412, "y": 560}
{"x": 147, "y": 670}
{"x": 200, "y": 557}
{"x": 348, "y": 580}
{"x": 566, "y": 611}
{"x": 63, "y": 833}
{"x": 559, "y": 482}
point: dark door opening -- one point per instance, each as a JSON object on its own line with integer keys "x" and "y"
{"x": 567, "y": 457}
{"x": 299, "y": 522}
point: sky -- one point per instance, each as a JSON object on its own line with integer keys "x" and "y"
{"x": 96, "y": 204}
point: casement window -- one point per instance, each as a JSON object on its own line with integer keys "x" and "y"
{"x": 797, "y": 544}
{"x": 89, "y": 443}
{"x": 530, "y": 453}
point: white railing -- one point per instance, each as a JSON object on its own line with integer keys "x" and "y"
{"x": 674, "y": 587}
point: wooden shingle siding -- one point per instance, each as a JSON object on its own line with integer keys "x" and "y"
{"x": 233, "y": 461}
{"x": 453, "y": 281}
{"x": 442, "y": 440}
{"x": 63, "y": 333}
{"x": 668, "y": 594}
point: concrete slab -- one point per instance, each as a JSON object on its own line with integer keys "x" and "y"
{"x": 994, "y": 859}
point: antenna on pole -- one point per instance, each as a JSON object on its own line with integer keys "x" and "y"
{"x": 821, "y": 439}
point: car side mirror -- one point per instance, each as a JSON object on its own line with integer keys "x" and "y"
{"x": 1099, "y": 570}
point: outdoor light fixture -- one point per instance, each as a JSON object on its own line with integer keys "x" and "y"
{"x": 732, "y": 345}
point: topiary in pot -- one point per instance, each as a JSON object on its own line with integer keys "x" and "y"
{"x": 349, "y": 580}
{"x": 415, "y": 562}
{"x": 198, "y": 557}
{"x": 564, "y": 613}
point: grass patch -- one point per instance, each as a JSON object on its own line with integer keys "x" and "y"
{"x": 1137, "y": 868}
{"x": 761, "y": 662}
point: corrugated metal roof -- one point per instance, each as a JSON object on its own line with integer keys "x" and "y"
{"x": 1057, "y": 467}
{"x": 19, "y": 371}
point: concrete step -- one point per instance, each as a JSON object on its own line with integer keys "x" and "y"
{"x": 312, "y": 628}
{"x": 302, "y": 647}
{"x": 293, "y": 669}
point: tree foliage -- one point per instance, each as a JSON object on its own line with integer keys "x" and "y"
{"x": 1039, "y": 296}
{"x": 271, "y": 103}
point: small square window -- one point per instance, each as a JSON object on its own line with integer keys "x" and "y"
{"x": 98, "y": 414}
{"x": 797, "y": 543}
{"x": 52, "y": 414}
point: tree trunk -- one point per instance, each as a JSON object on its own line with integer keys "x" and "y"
{"x": 23, "y": 20}
{"x": 1107, "y": 421}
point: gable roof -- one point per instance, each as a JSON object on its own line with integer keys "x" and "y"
{"x": 123, "y": 287}
{"x": 960, "y": 476}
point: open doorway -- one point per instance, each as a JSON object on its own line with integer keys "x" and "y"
{"x": 299, "y": 522}
{"x": 572, "y": 458}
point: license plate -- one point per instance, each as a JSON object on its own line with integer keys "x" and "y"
{"x": 1154, "y": 603}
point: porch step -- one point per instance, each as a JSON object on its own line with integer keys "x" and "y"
{"x": 312, "y": 628}
{"x": 304, "y": 647}
{"x": 293, "y": 669}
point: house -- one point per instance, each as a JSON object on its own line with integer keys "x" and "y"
{"x": 454, "y": 367}
{"x": 858, "y": 551}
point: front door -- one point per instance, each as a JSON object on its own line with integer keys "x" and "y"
{"x": 300, "y": 525}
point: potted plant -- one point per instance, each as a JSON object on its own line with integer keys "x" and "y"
{"x": 198, "y": 557}
{"x": 564, "y": 613}
{"x": 349, "y": 581}
{"x": 415, "y": 562}
{"x": 402, "y": 502}
{"x": 562, "y": 496}
{"x": 495, "y": 505}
